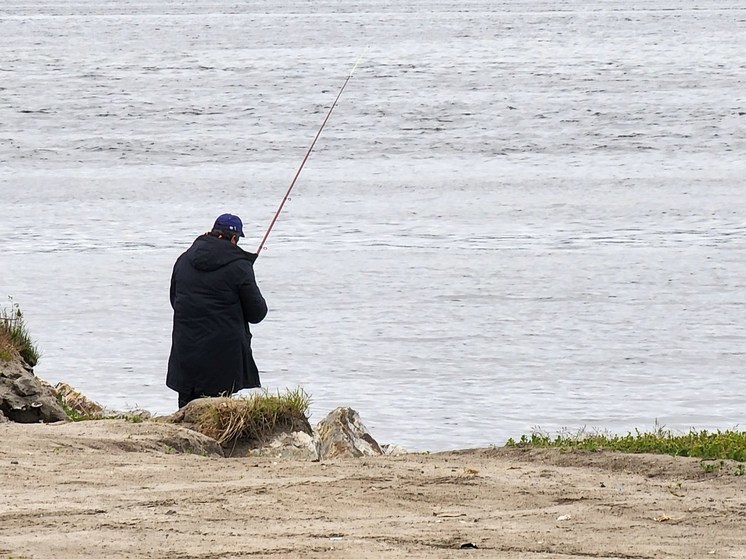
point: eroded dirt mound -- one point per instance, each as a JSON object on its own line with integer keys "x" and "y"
{"x": 114, "y": 436}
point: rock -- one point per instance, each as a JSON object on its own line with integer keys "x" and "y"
{"x": 78, "y": 402}
{"x": 296, "y": 446}
{"x": 393, "y": 450}
{"x": 86, "y": 408}
{"x": 342, "y": 434}
{"x": 23, "y": 398}
{"x": 135, "y": 415}
{"x": 3, "y": 419}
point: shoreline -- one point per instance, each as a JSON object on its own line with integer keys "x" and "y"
{"x": 113, "y": 488}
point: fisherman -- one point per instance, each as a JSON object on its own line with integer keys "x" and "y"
{"x": 214, "y": 296}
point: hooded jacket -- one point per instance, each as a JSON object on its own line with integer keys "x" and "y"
{"x": 214, "y": 296}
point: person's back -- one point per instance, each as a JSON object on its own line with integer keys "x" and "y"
{"x": 214, "y": 296}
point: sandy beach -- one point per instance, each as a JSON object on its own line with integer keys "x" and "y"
{"x": 119, "y": 489}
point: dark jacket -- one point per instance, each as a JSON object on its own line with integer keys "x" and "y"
{"x": 214, "y": 295}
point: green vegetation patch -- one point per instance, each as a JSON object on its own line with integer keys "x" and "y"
{"x": 14, "y": 335}
{"x": 717, "y": 445}
{"x": 73, "y": 413}
{"x": 5, "y": 354}
{"x": 254, "y": 417}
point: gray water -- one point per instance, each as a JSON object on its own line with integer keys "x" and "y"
{"x": 521, "y": 215}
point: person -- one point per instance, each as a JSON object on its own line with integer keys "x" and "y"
{"x": 214, "y": 297}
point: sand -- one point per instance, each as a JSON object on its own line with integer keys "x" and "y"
{"x": 121, "y": 489}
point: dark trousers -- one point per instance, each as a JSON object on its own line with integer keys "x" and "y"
{"x": 186, "y": 397}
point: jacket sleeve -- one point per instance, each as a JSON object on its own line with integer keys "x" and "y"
{"x": 252, "y": 303}
{"x": 172, "y": 288}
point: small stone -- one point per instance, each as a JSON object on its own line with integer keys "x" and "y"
{"x": 393, "y": 450}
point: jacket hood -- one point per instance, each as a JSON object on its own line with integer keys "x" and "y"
{"x": 209, "y": 253}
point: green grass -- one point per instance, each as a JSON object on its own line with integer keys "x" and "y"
{"x": 14, "y": 335}
{"x": 5, "y": 353}
{"x": 76, "y": 414}
{"x": 254, "y": 417}
{"x": 717, "y": 445}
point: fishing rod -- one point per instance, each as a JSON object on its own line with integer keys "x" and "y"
{"x": 308, "y": 153}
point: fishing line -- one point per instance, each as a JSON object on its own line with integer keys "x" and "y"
{"x": 308, "y": 153}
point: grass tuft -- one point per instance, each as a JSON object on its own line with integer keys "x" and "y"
{"x": 14, "y": 336}
{"x": 254, "y": 417}
{"x": 717, "y": 445}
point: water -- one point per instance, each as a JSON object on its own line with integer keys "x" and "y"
{"x": 520, "y": 215}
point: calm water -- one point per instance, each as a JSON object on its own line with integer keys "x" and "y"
{"x": 519, "y": 215}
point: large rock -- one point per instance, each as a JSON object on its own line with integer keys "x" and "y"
{"x": 23, "y": 398}
{"x": 343, "y": 435}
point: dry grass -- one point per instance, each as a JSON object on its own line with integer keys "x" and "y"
{"x": 6, "y": 346}
{"x": 14, "y": 336}
{"x": 255, "y": 417}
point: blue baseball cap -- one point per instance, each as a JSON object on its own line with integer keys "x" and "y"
{"x": 229, "y": 222}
